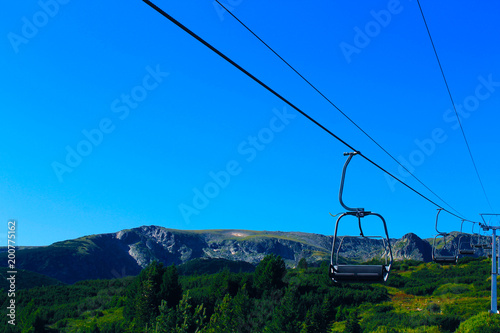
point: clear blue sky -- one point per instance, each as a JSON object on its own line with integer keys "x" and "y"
{"x": 113, "y": 118}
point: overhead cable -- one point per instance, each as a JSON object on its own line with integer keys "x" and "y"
{"x": 222, "y": 55}
{"x": 332, "y": 104}
{"x": 454, "y": 107}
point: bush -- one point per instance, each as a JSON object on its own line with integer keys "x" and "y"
{"x": 383, "y": 308}
{"x": 482, "y": 323}
{"x": 433, "y": 308}
{"x": 452, "y": 288}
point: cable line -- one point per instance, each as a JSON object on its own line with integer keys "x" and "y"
{"x": 222, "y": 55}
{"x": 453, "y": 103}
{"x": 335, "y": 106}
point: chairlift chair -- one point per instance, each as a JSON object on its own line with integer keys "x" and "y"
{"x": 483, "y": 242}
{"x": 358, "y": 273}
{"x": 478, "y": 244}
{"x": 438, "y": 256}
{"x": 465, "y": 251}
{"x": 487, "y": 245}
{"x": 461, "y": 248}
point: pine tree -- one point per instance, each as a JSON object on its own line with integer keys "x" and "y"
{"x": 242, "y": 306}
{"x": 182, "y": 319}
{"x": 302, "y": 263}
{"x": 285, "y": 318}
{"x": 352, "y": 324}
{"x": 269, "y": 273}
{"x": 144, "y": 295}
{"x": 315, "y": 321}
{"x": 222, "y": 321}
{"x": 145, "y": 303}
{"x": 171, "y": 289}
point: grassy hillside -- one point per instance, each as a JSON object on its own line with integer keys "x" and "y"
{"x": 419, "y": 297}
{"x": 26, "y": 279}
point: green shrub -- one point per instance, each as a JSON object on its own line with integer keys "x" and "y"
{"x": 433, "y": 308}
{"x": 452, "y": 288}
{"x": 481, "y": 323}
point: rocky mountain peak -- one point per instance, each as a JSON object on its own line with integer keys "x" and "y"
{"x": 410, "y": 246}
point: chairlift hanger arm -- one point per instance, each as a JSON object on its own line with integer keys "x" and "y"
{"x": 462, "y": 225}
{"x": 357, "y": 211}
{"x": 473, "y": 224}
{"x": 437, "y": 217}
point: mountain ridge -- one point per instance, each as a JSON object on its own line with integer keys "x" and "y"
{"x": 126, "y": 252}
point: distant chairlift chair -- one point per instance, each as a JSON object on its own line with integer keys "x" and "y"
{"x": 479, "y": 244}
{"x": 438, "y": 256}
{"x": 462, "y": 248}
{"x": 483, "y": 241}
{"x": 358, "y": 273}
{"x": 486, "y": 245}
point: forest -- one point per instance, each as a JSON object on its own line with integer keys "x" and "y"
{"x": 418, "y": 297}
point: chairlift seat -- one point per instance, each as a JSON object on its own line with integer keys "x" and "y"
{"x": 358, "y": 273}
{"x": 445, "y": 259}
{"x": 466, "y": 251}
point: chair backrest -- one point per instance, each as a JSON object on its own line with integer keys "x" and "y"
{"x": 465, "y": 248}
{"x": 440, "y": 256}
{"x": 359, "y": 273}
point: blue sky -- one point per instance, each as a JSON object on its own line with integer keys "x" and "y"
{"x": 113, "y": 118}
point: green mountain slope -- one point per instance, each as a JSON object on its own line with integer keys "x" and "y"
{"x": 419, "y": 297}
{"x": 26, "y": 279}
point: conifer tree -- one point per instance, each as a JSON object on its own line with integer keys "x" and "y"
{"x": 352, "y": 324}
{"x": 171, "y": 289}
{"x": 269, "y": 273}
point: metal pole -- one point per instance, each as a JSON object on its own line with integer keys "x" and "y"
{"x": 494, "y": 272}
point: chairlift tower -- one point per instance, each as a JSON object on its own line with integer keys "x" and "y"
{"x": 494, "y": 259}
